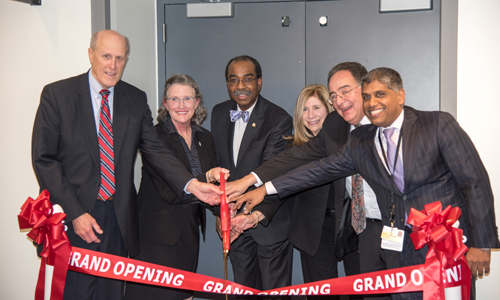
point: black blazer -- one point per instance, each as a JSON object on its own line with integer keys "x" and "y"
{"x": 310, "y": 205}
{"x": 440, "y": 164}
{"x": 65, "y": 151}
{"x": 162, "y": 214}
{"x": 263, "y": 139}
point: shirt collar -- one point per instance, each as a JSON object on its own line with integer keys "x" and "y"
{"x": 250, "y": 109}
{"x": 398, "y": 123}
{"x": 365, "y": 121}
{"x": 95, "y": 86}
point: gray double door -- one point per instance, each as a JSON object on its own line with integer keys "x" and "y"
{"x": 303, "y": 52}
{"x": 297, "y": 55}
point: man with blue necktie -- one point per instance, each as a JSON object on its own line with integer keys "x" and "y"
{"x": 248, "y": 130}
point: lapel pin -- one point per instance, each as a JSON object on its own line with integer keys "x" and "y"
{"x": 199, "y": 143}
{"x": 253, "y": 124}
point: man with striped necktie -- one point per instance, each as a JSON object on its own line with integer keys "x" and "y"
{"x": 86, "y": 134}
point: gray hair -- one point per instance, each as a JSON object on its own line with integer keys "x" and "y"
{"x": 200, "y": 112}
{"x": 95, "y": 35}
{"x": 357, "y": 70}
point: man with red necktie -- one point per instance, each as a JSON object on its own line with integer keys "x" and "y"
{"x": 86, "y": 134}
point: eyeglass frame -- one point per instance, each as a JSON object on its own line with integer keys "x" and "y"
{"x": 242, "y": 80}
{"x": 341, "y": 92}
{"x": 186, "y": 99}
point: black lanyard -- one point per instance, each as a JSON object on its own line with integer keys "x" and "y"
{"x": 393, "y": 205}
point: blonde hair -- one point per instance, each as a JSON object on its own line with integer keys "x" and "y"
{"x": 301, "y": 134}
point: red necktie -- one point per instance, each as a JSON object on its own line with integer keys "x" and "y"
{"x": 107, "y": 155}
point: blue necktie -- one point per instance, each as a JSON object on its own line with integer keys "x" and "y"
{"x": 235, "y": 115}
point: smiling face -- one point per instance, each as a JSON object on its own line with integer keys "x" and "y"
{"x": 381, "y": 104}
{"x": 246, "y": 91}
{"x": 349, "y": 107}
{"x": 108, "y": 58}
{"x": 314, "y": 114}
{"x": 181, "y": 111}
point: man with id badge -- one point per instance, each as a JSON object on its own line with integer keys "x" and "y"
{"x": 410, "y": 158}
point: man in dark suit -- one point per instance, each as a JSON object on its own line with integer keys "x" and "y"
{"x": 344, "y": 82}
{"x": 439, "y": 163}
{"x": 86, "y": 135}
{"x": 248, "y": 130}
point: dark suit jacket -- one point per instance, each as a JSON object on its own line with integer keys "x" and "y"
{"x": 440, "y": 164}
{"x": 65, "y": 151}
{"x": 162, "y": 214}
{"x": 263, "y": 139}
{"x": 310, "y": 206}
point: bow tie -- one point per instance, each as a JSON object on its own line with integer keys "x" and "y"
{"x": 235, "y": 115}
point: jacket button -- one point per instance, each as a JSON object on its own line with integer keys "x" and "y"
{"x": 404, "y": 197}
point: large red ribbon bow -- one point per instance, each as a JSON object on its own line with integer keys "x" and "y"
{"x": 434, "y": 227}
{"x": 48, "y": 230}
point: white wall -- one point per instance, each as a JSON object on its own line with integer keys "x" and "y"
{"x": 47, "y": 43}
{"x": 478, "y": 102}
{"x": 38, "y": 45}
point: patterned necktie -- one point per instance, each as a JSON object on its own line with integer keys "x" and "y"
{"x": 235, "y": 115}
{"x": 358, "y": 220}
{"x": 107, "y": 155}
{"x": 391, "y": 153}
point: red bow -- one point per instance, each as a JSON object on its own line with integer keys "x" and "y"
{"x": 49, "y": 231}
{"x": 434, "y": 227}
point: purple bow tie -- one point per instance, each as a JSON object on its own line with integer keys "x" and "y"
{"x": 235, "y": 115}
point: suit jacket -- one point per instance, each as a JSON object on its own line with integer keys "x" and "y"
{"x": 65, "y": 151}
{"x": 162, "y": 214}
{"x": 440, "y": 164}
{"x": 310, "y": 205}
{"x": 263, "y": 138}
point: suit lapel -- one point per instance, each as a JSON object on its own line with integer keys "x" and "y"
{"x": 120, "y": 118}
{"x": 253, "y": 126}
{"x": 86, "y": 115}
{"x": 383, "y": 178}
{"x": 410, "y": 133}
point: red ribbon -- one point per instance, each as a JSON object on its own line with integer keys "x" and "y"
{"x": 433, "y": 227}
{"x": 48, "y": 230}
{"x": 225, "y": 216}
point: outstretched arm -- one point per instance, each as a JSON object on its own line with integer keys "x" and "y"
{"x": 250, "y": 199}
{"x": 205, "y": 192}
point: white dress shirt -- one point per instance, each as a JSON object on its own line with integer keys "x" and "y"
{"x": 95, "y": 88}
{"x": 372, "y": 210}
{"x": 239, "y": 131}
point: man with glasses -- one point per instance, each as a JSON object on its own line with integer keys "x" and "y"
{"x": 344, "y": 82}
{"x": 248, "y": 130}
{"x": 411, "y": 159}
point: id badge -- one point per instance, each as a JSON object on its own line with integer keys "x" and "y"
{"x": 392, "y": 238}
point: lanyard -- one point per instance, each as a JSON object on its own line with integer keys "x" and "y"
{"x": 393, "y": 205}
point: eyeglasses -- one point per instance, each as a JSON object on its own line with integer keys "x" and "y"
{"x": 344, "y": 92}
{"x": 246, "y": 81}
{"x": 177, "y": 100}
